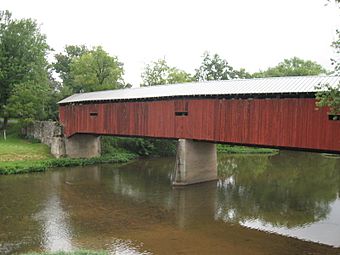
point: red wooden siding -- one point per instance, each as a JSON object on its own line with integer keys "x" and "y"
{"x": 294, "y": 123}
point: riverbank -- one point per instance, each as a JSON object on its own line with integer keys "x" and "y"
{"x": 19, "y": 155}
{"x": 20, "y": 167}
{"x": 81, "y": 252}
{"x": 231, "y": 149}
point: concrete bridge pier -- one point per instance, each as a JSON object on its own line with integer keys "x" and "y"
{"x": 196, "y": 162}
{"x": 82, "y": 146}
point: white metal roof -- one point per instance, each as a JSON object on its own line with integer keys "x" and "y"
{"x": 275, "y": 85}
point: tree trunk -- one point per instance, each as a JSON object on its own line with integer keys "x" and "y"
{"x": 5, "y": 127}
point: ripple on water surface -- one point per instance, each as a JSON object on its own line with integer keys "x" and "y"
{"x": 133, "y": 209}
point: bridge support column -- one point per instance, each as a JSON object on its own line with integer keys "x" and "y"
{"x": 82, "y": 146}
{"x": 195, "y": 162}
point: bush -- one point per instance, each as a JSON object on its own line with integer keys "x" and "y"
{"x": 19, "y": 167}
{"x": 141, "y": 146}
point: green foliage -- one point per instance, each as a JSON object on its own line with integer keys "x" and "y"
{"x": 216, "y": 68}
{"x": 286, "y": 190}
{"x": 23, "y": 51}
{"x": 336, "y": 60}
{"x": 224, "y": 148}
{"x": 159, "y": 73}
{"x": 140, "y": 146}
{"x": 63, "y": 62}
{"x": 20, "y": 167}
{"x": 29, "y": 101}
{"x": 96, "y": 70}
{"x": 292, "y": 67}
{"x": 329, "y": 96}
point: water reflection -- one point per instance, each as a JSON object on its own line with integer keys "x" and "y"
{"x": 56, "y": 234}
{"x": 126, "y": 247}
{"x": 296, "y": 194}
{"x": 282, "y": 190}
{"x": 133, "y": 209}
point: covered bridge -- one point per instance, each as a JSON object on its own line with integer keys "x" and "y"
{"x": 269, "y": 112}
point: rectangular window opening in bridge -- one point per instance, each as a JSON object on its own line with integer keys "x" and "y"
{"x": 93, "y": 113}
{"x": 334, "y": 117}
{"x": 181, "y": 113}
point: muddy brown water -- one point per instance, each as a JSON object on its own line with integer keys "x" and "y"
{"x": 282, "y": 204}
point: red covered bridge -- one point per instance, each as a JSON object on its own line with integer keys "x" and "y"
{"x": 269, "y": 112}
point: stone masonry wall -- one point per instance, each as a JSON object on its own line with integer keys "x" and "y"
{"x": 44, "y": 131}
{"x": 49, "y": 133}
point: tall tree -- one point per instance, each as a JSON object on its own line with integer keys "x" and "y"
{"x": 330, "y": 96}
{"x": 292, "y": 67}
{"x": 30, "y": 101}
{"x": 336, "y": 60}
{"x": 23, "y": 51}
{"x": 64, "y": 59}
{"x": 96, "y": 70}
{"x": 159, "y": 73}
{"x": 215, "y": 68}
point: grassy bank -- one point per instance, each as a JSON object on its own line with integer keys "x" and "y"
{"x": 19, "y": 167}
{"x": 223, "y": 148}
{"x": 81, "y": 252}
{"x": 19, "y": 155}
{"x": 16, "y": 149}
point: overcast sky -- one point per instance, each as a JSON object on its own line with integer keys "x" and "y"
{"x": 250, "y": 34}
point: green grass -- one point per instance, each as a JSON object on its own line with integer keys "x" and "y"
{"x": 16, "y": 148}
{"x": 20, "y": 167}
{"x": 18, "y": 155}
{"x": 81, "y": 252}
{"x": 223, "y": 148}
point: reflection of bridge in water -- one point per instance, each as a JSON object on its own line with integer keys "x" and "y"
{"x": 286, "y": 193}
{"x": 271, "y": 112}
{"x": 96, "y": 206}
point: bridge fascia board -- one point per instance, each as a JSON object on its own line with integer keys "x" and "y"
{"x": 217, "y": 97}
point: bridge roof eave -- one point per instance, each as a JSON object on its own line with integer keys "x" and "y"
{"x": 230, "y": 88}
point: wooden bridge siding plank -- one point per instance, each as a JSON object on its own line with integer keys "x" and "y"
{"x": 233, "y": 121}
{"x": 216, "y": 121}
{"x": 227, "y": 121}
{"x": 252, "y": 132}
{"x": 209, "y": 120}
{"x": 205, "y": 120}
{"x": 274, "y": 122}
{"x": 213, "y": 120}
{"x": 171, "y": 119}
{"x": 318, "y": 129}
{"x": 197, "y": 119}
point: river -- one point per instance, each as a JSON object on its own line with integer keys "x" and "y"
{"x": 262, "y": 204}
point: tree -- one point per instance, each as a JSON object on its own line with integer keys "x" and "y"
{"x": 63, "y": 61}
{"x": 292, "y": 67}
{"x": 216, "y": 68}
{"x": 30, "y": 101}
{"x": 159, "y": 73}
{"x": 23, "y": 51}
{"x": 336, "y": 61}
{"x": 96, "y": 70}
{"x": 329, "y": 96}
